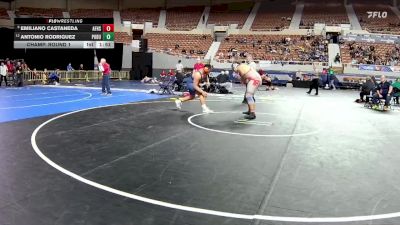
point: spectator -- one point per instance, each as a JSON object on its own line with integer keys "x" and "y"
{"x": 70, "y": 68}
{"x": 332, "y": 78}
{"x": 396, "y": 90}
{"x": 179, "y": 67}
{"x": 19, "y": 72}
{"x": 34, "y": 75}
{"x": 163, "y": 74}
{"x": 105, "y": 68}
{"x": 81, "y": 67}
{"x": 54, "y": 77}
{"x": 337, "y": 58}
{"x": 366, "y": 89}
{"x": 3, "y": 73}
{"x": 383, "y": 91}
{"x": 11, "y": 70}
{"x": 171, "y": 73}
{"x": 314, "y": 84}
{"x": 223, "y": 81}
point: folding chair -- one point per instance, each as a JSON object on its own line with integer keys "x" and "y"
{"x": 167, "y": 86}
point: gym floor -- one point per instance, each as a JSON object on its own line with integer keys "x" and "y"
{"x": 132, "y": 158}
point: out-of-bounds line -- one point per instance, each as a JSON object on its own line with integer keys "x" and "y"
{"x": 119, "y": 89}
{"x": 43, "y": 93}
{"x": 56, "y": 96}
{"x": 52, "y": 103}
{"x": 188, "y": 208}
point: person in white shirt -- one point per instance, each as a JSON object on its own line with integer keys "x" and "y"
{"x": 3, "y": 73}
{"x": 179, "y": 67}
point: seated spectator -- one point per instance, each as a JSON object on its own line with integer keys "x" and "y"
{"x": 223, "y": 82}
{"x": 383, "y": 91}
{"x": 163, "y": 74}
{"x": 54, "y": 78}
{"x": 171, "y": 73}
{"x": 396, "y": 90}
{"x": 337, "y": 58}
{"x": 366, "y": 89}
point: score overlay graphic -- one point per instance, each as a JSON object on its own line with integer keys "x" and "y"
{"x": 90, "y": 33}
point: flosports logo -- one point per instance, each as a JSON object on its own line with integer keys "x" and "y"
{"x": 377, "y": 14}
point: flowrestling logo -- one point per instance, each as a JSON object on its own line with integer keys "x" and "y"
{"x": 377, "y": 14}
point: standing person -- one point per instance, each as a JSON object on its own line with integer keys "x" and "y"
{"x": 3, "y": 73}
{"x": 10, "y": 69}
{"x": 18, "y": 71}
{"x": 70, "y": 68}
{"x": 332, "y": 79}
{"x": 105, "y": 68}
{"x": 179, "y": 67}
{"x": 252, "y": 79}
{"x": 314, "y": 84}
{"x": 193, "y": 85}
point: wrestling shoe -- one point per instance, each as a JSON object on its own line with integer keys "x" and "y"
{"x": 178, "y": 104}
{"x": 207, "y": 110}
{"x": 246, "y": 113}
{"x": 251, "y": 116}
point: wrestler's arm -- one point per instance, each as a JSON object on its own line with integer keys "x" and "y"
{"x": 196, "y": 82}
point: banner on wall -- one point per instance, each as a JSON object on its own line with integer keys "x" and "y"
{"x": 379, "y": 68}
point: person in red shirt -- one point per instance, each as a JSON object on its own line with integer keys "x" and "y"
{"x": 105, "y": 68}
{"x": 163, "y": 74}
{"x": 198, "y": 66}
{"x": 171, "y": 73}
{"x": 10, "y": 69}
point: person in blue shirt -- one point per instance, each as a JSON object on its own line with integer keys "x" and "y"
{"x": 54, "y": 78}
{"x": 69, "y": 67}
{"x": 383, "y": 91}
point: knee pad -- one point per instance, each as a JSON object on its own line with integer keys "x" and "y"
{"x": 250, "y": 100}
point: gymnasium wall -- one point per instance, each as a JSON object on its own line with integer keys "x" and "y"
{"x": 5, "y": 5}
{"x": 40, "y": 4}
{"x": 110, "y": 4}
{"x": 93, "y": 4}
{"x": 141, "y": 4}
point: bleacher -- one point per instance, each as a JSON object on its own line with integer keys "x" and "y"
{"x": 91, "y": 13}
{"x": 183, "y": 18}
{"x": 39, "y": 12}
{"x": 390, "y": 24}
{"x": 226, "y": 14}
{"x": 273, "y": 16}
{"x": 140, "y": 16}
{"x": 370, "y": 53}
{"x": 329, "y": 14}
{"x": 123, "y": 37}
{"x": 189, "y": 45}
{"x": 272, "y": 47}
{"x": 3, "y": 14}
